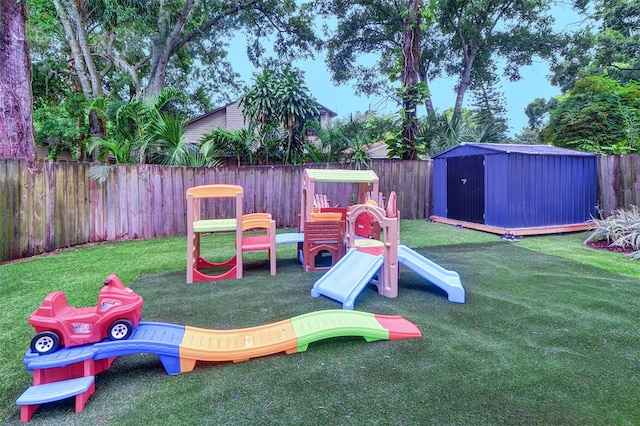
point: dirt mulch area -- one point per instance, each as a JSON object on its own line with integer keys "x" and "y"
{"x": 604, "y": 245}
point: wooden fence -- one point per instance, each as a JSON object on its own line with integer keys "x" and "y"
{"x": 59, "y": 206}
{"x": 618, "y": 182}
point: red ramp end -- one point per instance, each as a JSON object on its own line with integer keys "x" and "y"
{"x": 399, "y": 328}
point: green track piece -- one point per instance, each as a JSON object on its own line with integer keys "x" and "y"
{"x": 320, "y": 325}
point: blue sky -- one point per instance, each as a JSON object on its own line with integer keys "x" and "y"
{"x": 341, "y": 99}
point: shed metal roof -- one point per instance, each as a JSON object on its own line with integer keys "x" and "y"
{"x": 520, "y": 149}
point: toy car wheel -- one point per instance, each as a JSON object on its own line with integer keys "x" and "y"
{"x": 120, "y": 330}
{"x": 45, "y": 342}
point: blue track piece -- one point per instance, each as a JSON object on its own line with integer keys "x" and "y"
{"x": 50, "y": 392}
{"x": 61, "y": 358}
{"x": 149, "y": 337}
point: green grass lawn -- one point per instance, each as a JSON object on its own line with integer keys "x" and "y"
{"x": 548, "y": 335}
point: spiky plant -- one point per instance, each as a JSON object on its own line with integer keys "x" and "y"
{"x": 620, "y": 229}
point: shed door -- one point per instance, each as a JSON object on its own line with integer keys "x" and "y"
{"x": 465, "y": 188}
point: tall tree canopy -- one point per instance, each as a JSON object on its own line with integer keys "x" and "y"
{"x": 134, "y": 48}
{"x": 608, "y": 45}
{"x": 467, "y": 40}
{"x": 131, "y": 49}
{"x": 16, "y": 125}
{"x": 599, "y": 115}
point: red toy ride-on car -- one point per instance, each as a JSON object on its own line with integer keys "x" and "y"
{"x": 57, "y": 324}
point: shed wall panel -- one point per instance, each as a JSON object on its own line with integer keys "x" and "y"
{"x": 440, "y": 187}
{"x": 497, "y": 195}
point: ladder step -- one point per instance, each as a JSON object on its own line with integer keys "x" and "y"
{"x": 49, "y": 392}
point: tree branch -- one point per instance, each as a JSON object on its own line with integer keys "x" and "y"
{"x": 207, "y": 25}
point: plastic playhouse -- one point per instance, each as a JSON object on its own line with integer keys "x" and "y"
{"x": 324, "y": 227}
{"x": 344, "y": 241}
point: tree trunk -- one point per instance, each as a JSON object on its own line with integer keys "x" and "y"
{"x": 16, "y": 99}
{"x": 410, "y": 77}
{"x": 428, "y": 103}
{"x": 85, "y": 68}
{"x": 465, "y": 82}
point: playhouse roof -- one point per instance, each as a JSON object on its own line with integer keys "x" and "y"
{"x": 469, "y": 148}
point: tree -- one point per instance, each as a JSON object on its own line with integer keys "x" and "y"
{"x": 481, "y": 31}
{"x": 538, "y": 110}
{"x": 257, "y": 102}
{"x": 608, "y": 45}
{"x": 294, "y": 108}
{"x": 465, "y": 42}
{"x": 410, "y": 77}
{"x": 16, "y": 108}
{"x": 281, "y": 98}
{"x": 490, "y": 112}
{"x": 597, "y": 115}
{"x": 145, "y": 41}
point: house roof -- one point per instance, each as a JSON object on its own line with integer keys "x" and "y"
{"x": 327, "y": 110}
{"x": 200, "y": 117}
{"x": 205, "y": 115}
{"x": 494, "y": 148}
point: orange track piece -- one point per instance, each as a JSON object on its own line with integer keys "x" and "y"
{"x": 239, "y": 345}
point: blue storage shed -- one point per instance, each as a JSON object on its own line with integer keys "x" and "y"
{"x": 515, "y": 189}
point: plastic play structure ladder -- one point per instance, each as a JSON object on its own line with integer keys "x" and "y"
{"x": 197, "y": 225}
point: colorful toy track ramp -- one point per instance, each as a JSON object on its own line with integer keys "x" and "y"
{"x": 447, "y": 280}
{"x": 70, "y": 371}
{"x": 346, "y": 280}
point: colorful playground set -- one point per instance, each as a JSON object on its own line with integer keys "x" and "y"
{"x": 72, "y": 345}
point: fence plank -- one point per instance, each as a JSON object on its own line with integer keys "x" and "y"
{"x": 7, "y": 189}
{"x": 38, "y": 216}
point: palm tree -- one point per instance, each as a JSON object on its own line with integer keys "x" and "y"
{"x": 258, "y": 102}
{"x": 162, "y": 137}
{"x": 142, "y": 132}
{"x": 280, "y": 98}
{"x": 295, "y": 107}
{"x": 330, "y": 146}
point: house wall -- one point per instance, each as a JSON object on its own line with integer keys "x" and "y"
{"x": 325, "y": 120}
{"x": 196, "y": 129}
{"x": 230, "y": 117}
{"x": 235, "y": 120}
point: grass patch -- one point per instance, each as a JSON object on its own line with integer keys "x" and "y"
{"x": 548, "y": 335}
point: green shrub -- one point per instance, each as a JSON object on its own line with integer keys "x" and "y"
{"x": 619, "y": 229}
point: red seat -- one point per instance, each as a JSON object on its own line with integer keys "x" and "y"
{"x": 267, "y": 241}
